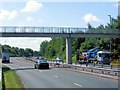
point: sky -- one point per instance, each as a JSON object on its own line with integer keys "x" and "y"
{"x": 53, "y": 13}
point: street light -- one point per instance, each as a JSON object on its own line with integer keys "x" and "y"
{"x": 110, "y": 28}
{"x": 110, "y": 20}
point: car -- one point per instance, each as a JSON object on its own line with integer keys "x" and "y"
{"x": 59, "y": 59}
{"x": 41, "y": 64}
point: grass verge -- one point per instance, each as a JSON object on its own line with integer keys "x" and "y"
{"x": 10, "y": 79}
{"x": 116, "y": 62}
{"x": 0, "y": 85}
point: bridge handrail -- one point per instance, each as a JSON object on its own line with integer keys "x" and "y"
{"x": 17, "y": 29}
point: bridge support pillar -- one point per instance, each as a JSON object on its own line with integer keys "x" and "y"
{"x": 68, "y": 50}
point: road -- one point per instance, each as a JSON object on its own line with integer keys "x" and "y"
{"x": 56, "y": 77}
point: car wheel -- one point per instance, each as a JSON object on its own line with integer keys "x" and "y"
{"x": 8, "y": 61}
{"x": 38, "y": 67}
{"x": 35, "y": 67}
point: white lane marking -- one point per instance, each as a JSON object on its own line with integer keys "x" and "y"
{"x": 55, "y": 76}
{"x": 56, "y": 68}
{"x": 78, "y": 85}
{"x": 40, "y": 71}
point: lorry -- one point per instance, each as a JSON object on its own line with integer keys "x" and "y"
{"x": 94, "y": 55}
{"x": 104, "y": 57}
{"x": 5, "y": 57}
{"x": 90, "y": 54}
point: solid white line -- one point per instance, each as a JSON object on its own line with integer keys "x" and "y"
{"x": 78, "y": 85}
{"x": 55, "y": 76}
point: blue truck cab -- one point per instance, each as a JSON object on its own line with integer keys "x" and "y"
{"x": 5, "y": 57}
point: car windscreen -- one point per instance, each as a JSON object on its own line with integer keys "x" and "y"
{"x": 59, "y": 58}
{"x": 42, "y": 61}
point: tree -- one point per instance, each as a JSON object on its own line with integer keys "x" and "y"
{"x": 28, "y": 52}
{"x": 19, "y": 52}
{"x": 77, "y": 55}
{"x": 89, "y": 26}
{"x": 57, "y": 46}
{"x": 43, "y": 46}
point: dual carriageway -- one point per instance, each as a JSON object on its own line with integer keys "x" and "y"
{"x": 57, "y": 77}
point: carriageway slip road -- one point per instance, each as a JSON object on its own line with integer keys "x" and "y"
{"x": 56, "y": 77}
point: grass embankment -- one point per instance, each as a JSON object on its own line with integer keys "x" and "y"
{"x": 10, "y": 79}
{"x": 116, "y": 62}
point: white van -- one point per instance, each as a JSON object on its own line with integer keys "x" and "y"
{"x": 104, "y": 57}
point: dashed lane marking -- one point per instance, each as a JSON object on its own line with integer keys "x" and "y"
{"x": 40, "y": 71}
{"x": 78, "y": 85}
{"x": 55, "y": 76}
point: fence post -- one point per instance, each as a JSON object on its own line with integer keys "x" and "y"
{"x": 94, "y": 63}
{"x": 86, "y": 64}
{"x": 102, "y": 65}
{"x": 80, "y": 63}
{"x": 111, "y": 65}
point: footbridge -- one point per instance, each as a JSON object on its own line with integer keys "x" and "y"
{"x": 65, "y": 32}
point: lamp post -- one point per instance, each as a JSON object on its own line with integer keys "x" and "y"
{"x": 110, "y": 28}
{"x": 110, "y": 21}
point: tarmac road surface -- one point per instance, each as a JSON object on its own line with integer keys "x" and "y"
{"x": 56, "y": 77}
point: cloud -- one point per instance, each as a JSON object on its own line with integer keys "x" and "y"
{"x": 12, "y": 14}
{"x": 5, "y": 14}
{"x": 29, "y": 19}
{"x": 117, "y": 4}
{"x": 32, "y": 6}
{"x": 89, "y": 18}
